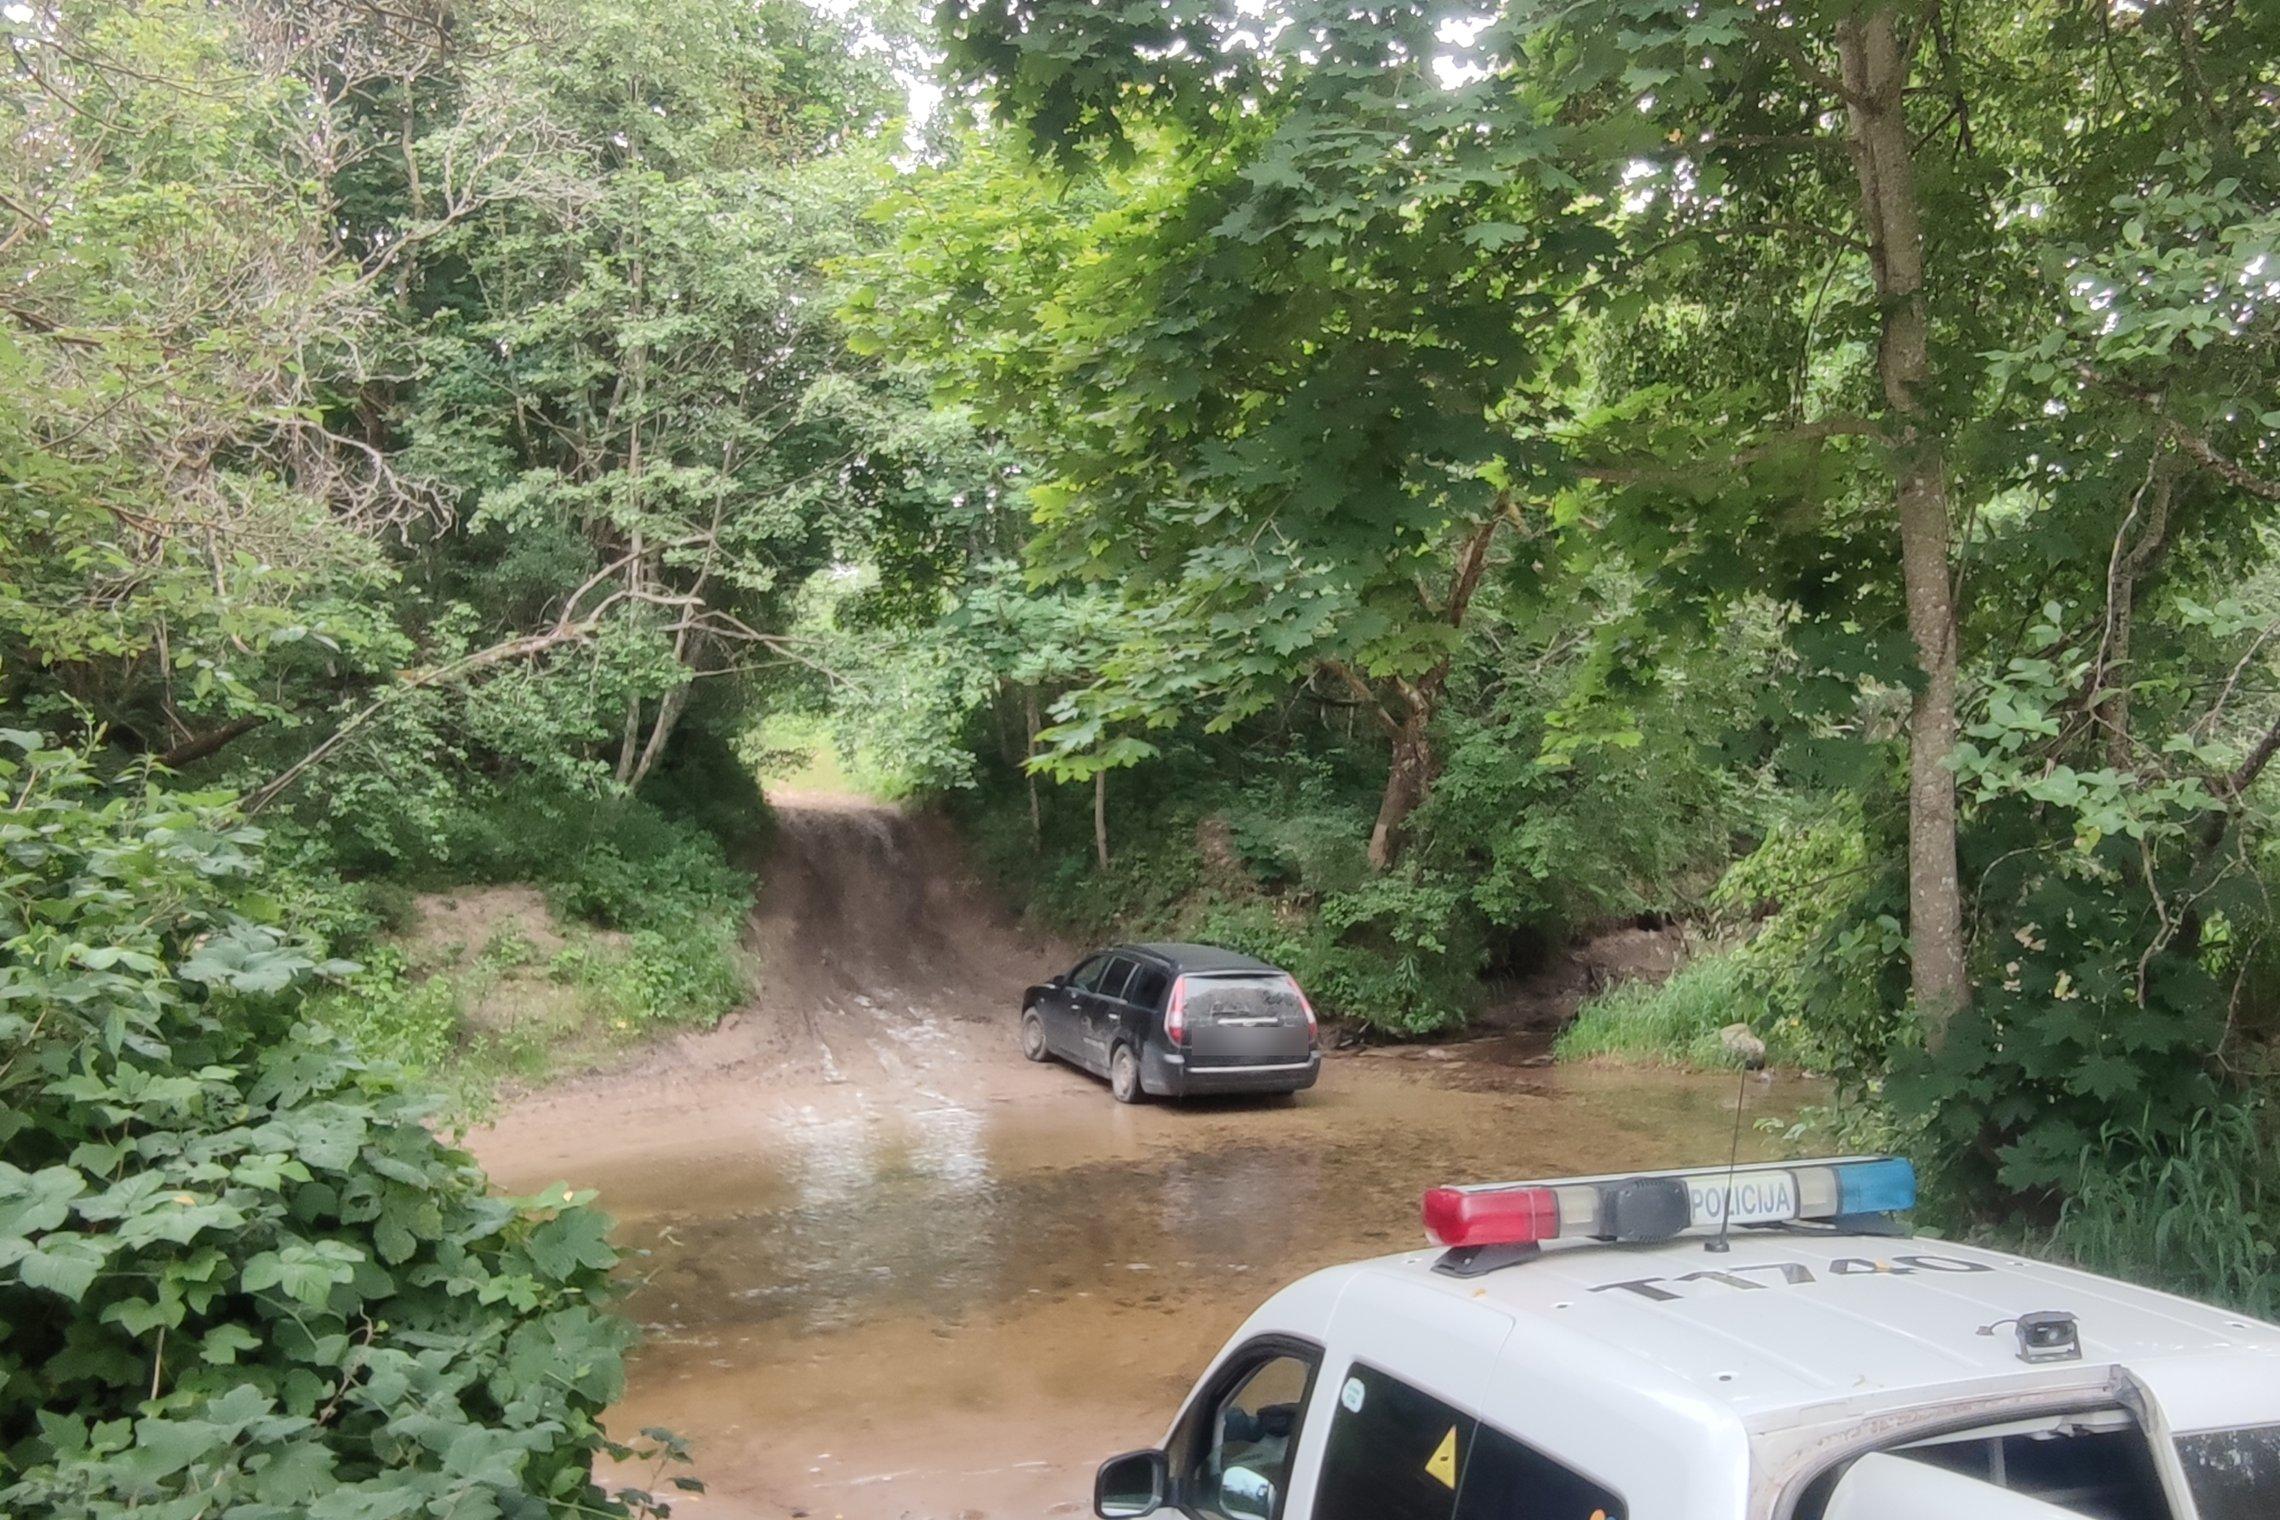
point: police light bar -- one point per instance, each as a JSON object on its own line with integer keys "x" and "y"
{"x": 1646, "y": 1206}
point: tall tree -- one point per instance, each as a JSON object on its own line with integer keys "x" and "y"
{"x": 1920, "y": 175}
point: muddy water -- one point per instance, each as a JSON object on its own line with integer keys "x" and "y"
{"x": 889, "y": 1269}
{"x": 956, "y": 1308}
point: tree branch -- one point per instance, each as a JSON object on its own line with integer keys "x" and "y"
{"x": 1367, "y": 699}
{"x": 197, "y": 747}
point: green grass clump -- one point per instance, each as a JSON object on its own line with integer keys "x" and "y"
{"x": 2199, "y": 1215}
{"x": 1671, "y": 1023}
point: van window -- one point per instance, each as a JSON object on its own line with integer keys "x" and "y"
{"x": 2234, "y": 1474}
{"x": 1240, "y": 1460}
{"x": 1509, "y": 1481}
{"x": 1112, "y": 985}
{"x": 2093, "y": 1462}
{"x": 1397, "y": 1453}
{"x": 1146, "y": 989}
{"x": 1087, "y": 977}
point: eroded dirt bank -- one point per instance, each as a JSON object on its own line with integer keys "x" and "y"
{"x": 890, "y": 1269}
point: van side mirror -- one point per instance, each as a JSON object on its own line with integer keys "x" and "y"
{"x": 1130, "y": 1486}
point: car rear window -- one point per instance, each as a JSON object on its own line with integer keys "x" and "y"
{"x": 1249, "y": 989}
{"x": 1398, "y": 1453}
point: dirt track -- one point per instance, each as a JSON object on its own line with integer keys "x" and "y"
{"x": 890, "y": 1269}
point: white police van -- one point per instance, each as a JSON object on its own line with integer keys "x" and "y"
{"x": 1753, "y": 1343}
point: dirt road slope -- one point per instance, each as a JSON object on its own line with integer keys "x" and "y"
{"x": 887, "y": 975}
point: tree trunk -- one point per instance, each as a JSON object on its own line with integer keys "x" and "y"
{"x": 1407, "y": 779}
{"x": 668, "y": 712}
{"x": 629, "y": 744}
{"x": 1875, "y": 68}
{"x": 1028, "y": 752}
{"x": 629, "y": 741}
{"x": 1100, "y": 818}
{"x": 2110, "y": 677}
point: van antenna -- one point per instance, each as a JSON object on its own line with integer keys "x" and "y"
{"x": 1718, "y": 1242}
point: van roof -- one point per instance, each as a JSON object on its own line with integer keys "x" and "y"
{"x": 1184, "y": 956}
{"x": 1785, "y": 1319}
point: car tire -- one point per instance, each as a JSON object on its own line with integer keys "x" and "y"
{"x": 1033, "y": 1035}
{"x": 1124, "y": 1075}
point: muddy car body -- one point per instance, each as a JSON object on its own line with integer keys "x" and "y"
{"x": 1176, "y": 1020}
{"x": 1629, "y": 1370}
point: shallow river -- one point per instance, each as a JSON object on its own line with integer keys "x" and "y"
{"x": 876, "y": 1304}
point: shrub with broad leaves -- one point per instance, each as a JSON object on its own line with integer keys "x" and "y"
{"x": 239, "y": 1276}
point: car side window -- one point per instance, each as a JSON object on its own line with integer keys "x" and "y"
{"x": 1086, "y": 978}
{"x": 1112, "y": 984}
{"x": 1239, "y": 1458}
{"x": 1397, "y": 1453}
{"x": 1146, "y": 989}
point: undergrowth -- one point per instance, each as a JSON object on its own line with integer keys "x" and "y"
{"x": 644, "y": 886}
{"x": 1268, "y": 861}
{"x": 1673, "y": 1023}
{"x": 2199, "y": 1215}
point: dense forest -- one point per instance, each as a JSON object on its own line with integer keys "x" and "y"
{"x": 1388, "y": 487}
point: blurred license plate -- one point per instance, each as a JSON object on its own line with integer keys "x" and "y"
{"x": 1757, "y": 1198}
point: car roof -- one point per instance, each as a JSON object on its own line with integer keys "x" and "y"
{"x": 1784, "y": 1321}
{"x": 1192, "y": 957}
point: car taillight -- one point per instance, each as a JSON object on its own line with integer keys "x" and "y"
{"x": 1492, "y": 1216}
{"x": 1313, "y": 1030}
{"x": 1175, "y": 1012}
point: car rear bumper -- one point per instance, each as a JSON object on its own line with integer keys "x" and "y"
{"x": 1167, "y": 1074}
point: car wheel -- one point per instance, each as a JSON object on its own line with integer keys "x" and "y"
{"x": 1033, "y": 1035}
{"x": 1124, "y": 1075}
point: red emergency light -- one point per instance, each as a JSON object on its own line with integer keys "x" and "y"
{"x": 1492, "y": 1216}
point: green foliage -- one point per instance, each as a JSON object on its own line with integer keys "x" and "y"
{"x": 2117, "y": 927}
{"x": 668, "y": 880}
{"x": 1399, "y": 954}
{"x": 382, "y": 1009}
{"x": 2193, "y": 1213}
{"x": 1823, "y": 965}
{"x": 1675, "y": 1022}
{"x": 616, "y": 864}
{"x": 1269, "y": 863}
{"x": 1554, "y": 828}
{"x": 1311, "y": 311}
{"x": 689, "y": 975}
{"x": 238, "y": 1274}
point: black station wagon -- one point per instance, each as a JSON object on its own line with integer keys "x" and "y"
{"x": 1169, "y": 1020}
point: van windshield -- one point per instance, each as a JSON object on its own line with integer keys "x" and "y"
{"x": 2234, "y": 1474}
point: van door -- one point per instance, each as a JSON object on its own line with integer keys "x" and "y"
{"x": 1245, "y": 1018}
{"x": 1232, "y": 1455}
{"x": 1402, "y": 1375}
